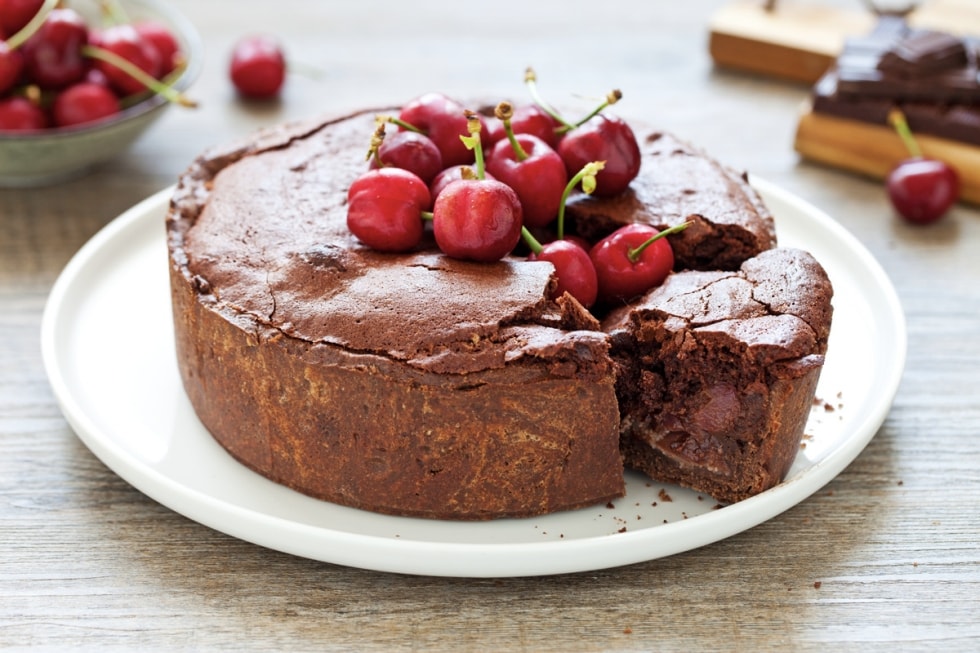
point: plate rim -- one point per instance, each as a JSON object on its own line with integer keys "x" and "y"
{"x": 461, "y": 559}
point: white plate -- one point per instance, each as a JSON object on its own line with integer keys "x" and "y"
{"x": 108, "y": 349}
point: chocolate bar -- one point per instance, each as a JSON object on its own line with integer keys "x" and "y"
{"x": 932, "y": 76}
{"x": 904, "y": 64}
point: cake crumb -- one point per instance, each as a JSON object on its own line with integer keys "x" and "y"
{"x": 901, "y": 482}
{"x": 663, "y": 495}
{"x": 611, "y": 505}
{"x": 817, "y": 584}
{"x": 622, "y": 530}
{"x": 627, "y": 631}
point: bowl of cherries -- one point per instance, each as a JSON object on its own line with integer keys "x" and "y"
{"x": 80, "y": 80}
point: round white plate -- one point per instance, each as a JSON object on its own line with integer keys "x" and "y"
{"x": 107, "y": 342}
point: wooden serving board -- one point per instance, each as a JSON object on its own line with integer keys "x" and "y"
{"x": 873, "y": 150}
{"x": 799, "y": 39}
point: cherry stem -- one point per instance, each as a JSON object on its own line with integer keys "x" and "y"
{"x": 169, "y": 93}
{"x": 504, "y": 112}
{"x": 531, "y": 81}
{"x": 612, "y": 97}
{"x": 473, "y": 143}
{"x": 377, "y": 138}
{"x": 426, "y": 215}
{"x": 401, "y": 123}
{"x": 532, "y": 243}
{"x": 33, "y": 25}
{"x": 633, "y": 254}
{"x": 897, "y": 119}
{"x": 587, "y": 176}
{"x": 114, "y": 12}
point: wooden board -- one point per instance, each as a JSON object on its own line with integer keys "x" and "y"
{"x": 799, "y": 40}
{"x": 873, "y": 150}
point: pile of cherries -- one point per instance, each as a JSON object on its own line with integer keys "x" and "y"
{"x": 485, "y": 182}
{"x": 56, "y": 70}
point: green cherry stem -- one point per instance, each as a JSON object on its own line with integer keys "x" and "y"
{"x": 401, "y": 123}
{"x": 611, "y": 98}
{"x": 167, "y": 92}
{"x": 113, "y": 12}
{"x": 634, "y": 253}
{"x": 531, "y": 81}
{"x": 531, "y": 242}
{"x": 33, "y": 25}
{"x": 504, "y": 112}
{"x": 587, "y": 177}
{"x": 472, "y": 142}
{"x": 897, "y": 119}
{"x": 377, "y": 138}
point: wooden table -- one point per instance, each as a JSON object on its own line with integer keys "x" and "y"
{"x": 885, "y": 557}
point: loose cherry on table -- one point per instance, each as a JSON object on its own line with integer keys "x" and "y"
{"x": 632, "y": 260}
{"x": 408, "y": 150}
{"x": 574, "y": 271}
{"x": 477, "y": 219}
{"x": 531, "y": 167}
{"x": 921, "y": 189}
{"x": 258, "y": 66}
{"x": 384, "y": 209}
{"x": 596, "y": 137}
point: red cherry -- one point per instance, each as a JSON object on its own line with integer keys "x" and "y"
{"x": 603, "y": 138}
{"x": 124, "y": 41}
{"x": 82, "y": 103}
{"x": 18, "y": 114}
{"x": 451, "y": 174}
{"x": 258, "y": 67}
{"x": 163, "y": 40}
{"x": 53, "y": 55}
{"x": 384, "y": 209}
{"x": 410, "y": 151}
{"x": 15, "y": 14}
{"x": 478, "y": 220}
{"x": 922, "y": 189}
{"x": 527, "y": 119}
{"x": 536, "y": 173}
{"x": 628, "y": 262}
{"x": 574, "y": 269}
{"x": 443, "y": 120}
{"x": 11, "y": 67}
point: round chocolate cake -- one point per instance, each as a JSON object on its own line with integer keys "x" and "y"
{"x": 417, "y": 384}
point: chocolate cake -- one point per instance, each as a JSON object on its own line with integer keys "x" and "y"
{"x": 679, "y": 183}
{"x": 416, "y": 384}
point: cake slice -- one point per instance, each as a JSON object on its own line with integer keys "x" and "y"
{"x": 718, "y": 371}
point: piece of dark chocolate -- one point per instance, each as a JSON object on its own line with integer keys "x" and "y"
{"x": 923, "y": 53}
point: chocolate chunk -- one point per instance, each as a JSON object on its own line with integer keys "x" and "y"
{"x": 924, "y": 53}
